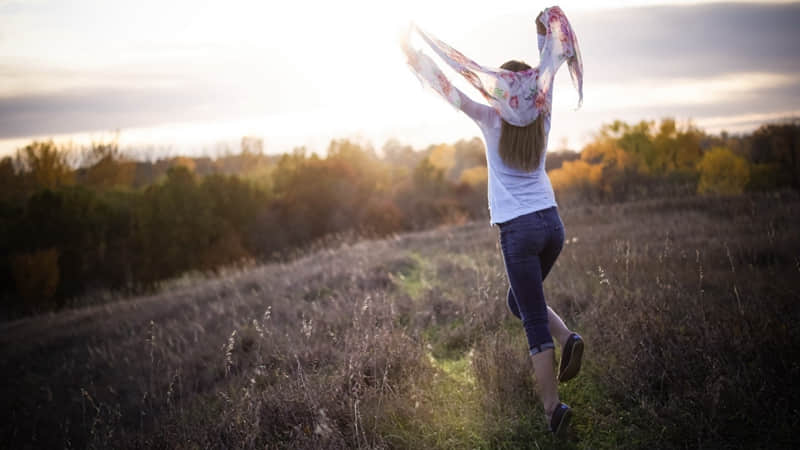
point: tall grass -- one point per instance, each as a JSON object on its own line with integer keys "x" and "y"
{"x": 687, "y": 306}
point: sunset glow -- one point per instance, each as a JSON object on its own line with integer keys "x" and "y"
{"x": 193, "y": 76}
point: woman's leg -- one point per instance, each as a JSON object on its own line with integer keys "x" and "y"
{"x": 554, "y": 322}
{"x": 546, "y": 384}
{"x": 512, "y": 303}
{"x": 521, "y": 244}
{"x": 557, "y": 327}
{"x": 547, "y": 259}
{"x": 525, "y": 278}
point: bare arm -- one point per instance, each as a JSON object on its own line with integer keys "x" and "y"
{"x": 477, "y": 111}
{"x": 432, "y": 76}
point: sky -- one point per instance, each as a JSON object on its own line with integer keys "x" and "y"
{"x": 193, "y": 77}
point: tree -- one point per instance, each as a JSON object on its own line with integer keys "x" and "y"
{"x": 107, "y": 167}
{"x": 779, "y": 144}
{"x": 174, "y": 225}
{"x": 722, "y": 172}
{"x": 475, "y": 177}
{"x": 443, "y": 157}
{"x": 36, "y": 275}
{"x": 675, "y": 149}
{"x": 578, "y": 177}
{"x": 12, "y": 185}
{"x": 555, "y": 159}
{"x": 44, "y": 165}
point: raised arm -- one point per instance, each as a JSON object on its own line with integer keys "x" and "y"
{"x": 476, "y": 111}
{"x": 518, "y": 97}
{"x": 430, "y": 75}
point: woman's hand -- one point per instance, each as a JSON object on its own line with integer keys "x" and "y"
{"x": 540, "y": 28}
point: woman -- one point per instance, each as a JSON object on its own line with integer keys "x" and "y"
{"x": 521, "y": 200}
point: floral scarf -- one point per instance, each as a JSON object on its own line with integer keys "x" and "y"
{"x": 518, "y": 97}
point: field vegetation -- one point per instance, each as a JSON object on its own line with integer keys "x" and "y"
{"x": 687, "y": 306}
{"x": 357, "y": 299}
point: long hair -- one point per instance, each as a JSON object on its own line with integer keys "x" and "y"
{"x": 522, "y": 147}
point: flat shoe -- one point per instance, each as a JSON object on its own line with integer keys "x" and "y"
{"x": 560, "y": 419}
{"x": 571, "y": 357}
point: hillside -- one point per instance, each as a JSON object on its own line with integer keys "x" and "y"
{"x": 688, "y": 307}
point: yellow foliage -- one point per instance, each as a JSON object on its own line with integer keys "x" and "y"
{"x": 600, "y": 149}
{"x": 607, "y": 153}
{"x": 443, "y": 157}
{"x": 109, "y": 172}
{"x": 475, "y": 176}
{"x": 576, "y": 174}
{"x": 183, "y": 161}
{"x": 46, "y": 164}
{"x": 722, "y": 172}
{"x": 646, "y": 147}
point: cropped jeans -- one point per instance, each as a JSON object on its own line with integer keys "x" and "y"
{"x": 530, "y": 244}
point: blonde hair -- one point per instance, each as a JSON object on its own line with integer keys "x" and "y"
{"x": 522, "y": 147}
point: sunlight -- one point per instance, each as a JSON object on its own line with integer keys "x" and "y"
{"x": 681, "y": 91}
{"x": 181, "y": 71}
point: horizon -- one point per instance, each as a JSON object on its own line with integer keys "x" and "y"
{"x": 67, "y": 81}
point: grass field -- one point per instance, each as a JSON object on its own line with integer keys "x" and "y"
{"x": 689, "y": 307}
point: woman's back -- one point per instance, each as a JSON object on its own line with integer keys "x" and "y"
{"x": 512, "y": 192}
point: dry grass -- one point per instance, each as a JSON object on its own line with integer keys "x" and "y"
{"x": 688, "y": 307}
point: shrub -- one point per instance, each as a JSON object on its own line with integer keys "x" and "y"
{"x": 722, "y": 172}
{"x": 577, "y": 177}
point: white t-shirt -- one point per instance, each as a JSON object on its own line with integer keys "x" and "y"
{"x": 512, "y": 192}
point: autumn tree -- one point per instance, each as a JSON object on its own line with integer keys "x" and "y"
{"x": 675, "y": 149}
{"x": 634, "y": 160}
{"x": 44, "y": 165}
{"x": 107, "y": 167}
{"x": 722, "y": 172}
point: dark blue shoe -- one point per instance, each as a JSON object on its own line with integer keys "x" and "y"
{"x": 571, "y": 356}
{"x": 560, "y": 419}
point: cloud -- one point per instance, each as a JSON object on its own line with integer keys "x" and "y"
{"x": 700, "y": 61}
{"x": 660, "y": 41}
{"x": 178, "y": 85}
{"x": 87, "y": 109}
{"x": 752, "y": 88}
{"x": 695, "y": 41}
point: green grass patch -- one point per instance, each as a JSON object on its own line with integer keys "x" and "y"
{"x": 447, "y": 341}
{"x": 446, "y": 413}
{"x": 599, "y": 422}
{"x": 413, "y": 278}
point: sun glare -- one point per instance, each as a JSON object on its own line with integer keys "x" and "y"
{"x": 186, "y": 71}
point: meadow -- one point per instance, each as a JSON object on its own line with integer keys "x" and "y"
{"x": 688, "y": 306}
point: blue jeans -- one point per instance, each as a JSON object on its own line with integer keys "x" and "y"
{"x": 531, "y": 243}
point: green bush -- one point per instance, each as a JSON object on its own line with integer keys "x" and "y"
{"x": 722, "y": 172}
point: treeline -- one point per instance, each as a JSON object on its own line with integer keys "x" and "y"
{"x": 72, "y": 222}
{"x": 124, "y": 225}
{"x": 628, "y": 161}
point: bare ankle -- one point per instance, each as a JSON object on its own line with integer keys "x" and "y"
{"x": 562, "y": 339}
{"x": 550, "y": 407}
